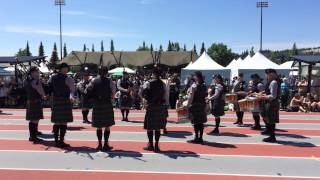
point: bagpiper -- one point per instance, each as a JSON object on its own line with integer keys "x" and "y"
{"x": 271, "y": 105}
{"x": 101, "y": 90}
{"x": 124, "y": 85}
{"x": 256, "y": 87}
{"x": 239, "y": 88}
{"x": 85, "y": 103}
{"x": 154, "y": 91}
{"x": 62, "y": 88}
{"x": 35, "y": 94}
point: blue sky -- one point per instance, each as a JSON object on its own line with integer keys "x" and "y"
{"x": 129, "y": 22}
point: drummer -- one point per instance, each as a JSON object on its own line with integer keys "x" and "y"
{"x": 270, "y": 112}
{"x": 239, "y": 88}
{"x": 256, "y": 87}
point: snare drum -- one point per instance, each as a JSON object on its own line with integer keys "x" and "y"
{"x": 231, "y": 98}
{"x": 183, "y": 115}
{"x": 249, "y": 104}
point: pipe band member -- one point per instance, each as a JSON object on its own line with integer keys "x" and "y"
{"x": 256, "y": 87}
{"x": 239, "y": 88}
{"x": 34, "y": 93}
{"x": 62, "y": 88}
{"x": 124, "y": 85}
{"x": 197, "y": 106}
{"x": 154, "y": 92}
{"x": 85, "y": 103}
{"x": 101, "y": 89}
{"x": 217, "y": 99}
{"x": 271, "y": 105}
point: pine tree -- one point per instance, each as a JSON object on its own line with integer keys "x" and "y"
{"x": 92, "y": 49}
{"x": 28, "y": 53}
{"x": 102, "y": 47}
{"x": 151, "y": 47}
{"x": 54, "y": 56}
{"x": 203, "y": 49}
{"x": 111, "y": 46}
{"x": 176, "y": 46}
{"x": 195, "y": 49}
{"x": 184, "y": 48}
{"x": 252, "y": 51}
{"x": 294, "y": 50}
{"x": 144, "y": 45}
{"x": 41, "y": 49}
{"x": 65, "y": 52}
{"x": 160, "y": 48}
{"x": 170, "y": 48}
{"x": 84, "y": 47}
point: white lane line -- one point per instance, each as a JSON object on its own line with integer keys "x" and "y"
{"x": 157, "y": 172}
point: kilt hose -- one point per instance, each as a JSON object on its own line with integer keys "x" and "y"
{"x": 102, "y": 114}
{"x": 61, "y": 110}
{"x": 156, "y": 117}
{"x": 34, "y": 110}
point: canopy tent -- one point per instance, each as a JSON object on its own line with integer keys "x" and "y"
{"x": 207, "y": 66}
{"x": 234, "y": 65}
{"x": 121, "y": 70}
{"x": 22, "y": 59}
{"x": 135, "y": 58}
{"x": 4, "y": 71}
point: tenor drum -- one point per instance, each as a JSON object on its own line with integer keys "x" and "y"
{"x": 231, "y": 98}
{"x": 249, "y": 104}
{"x": 183, "y": 115}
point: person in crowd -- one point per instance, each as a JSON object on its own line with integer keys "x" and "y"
{"x": 197, "y": 106}
{"x": 284, "y": 94}
{"x": 315, "y": 105}
{"x": 154, "y": 92}
{"x": 62, "y": 88}
{"x": 5, "y": 89}
{"x": 271, "y": 108}
{"x": 302, "y": 87}
{"x": 216, "y": 97}
{"x": 296, "y": 103}
{"x": 35, "y": 94}
{"x": 101, "y": 89}
{"x": 174, "y": 87}
{"x": 256, "y": 87}
{"x": 124, "y": 85}
{"x": 188, "y": 82}
{"x": 239, "y": 88}
{"x": 306, "y": 103}
{"x": 85, "y": 103}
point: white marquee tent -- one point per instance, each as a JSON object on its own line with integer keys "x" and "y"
{"x": 122, "y": 69}
{"x": 207, "y": 66}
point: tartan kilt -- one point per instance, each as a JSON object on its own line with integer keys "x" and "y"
{"x": 198, "y": 114}
{"x": 270, "y": 111}
{"x": 34, "y": 110}
{"x": 85, "y": 102}
{"x": 156, "y": 117}
{"x": 125, "y": 101}
{"x": 61, "y": 110}
{"x": 217, "y": 108}
{"x": 102, "y": 114}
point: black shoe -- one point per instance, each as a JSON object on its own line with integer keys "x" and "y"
{"x": 99, "y": 148}
{"x": 200, "y": 140}
{"x": 256, "y": 127}
{"x": 215, "y": 132}
{"x": 237, "y": 122}
{"x": 125, "y": 120}
{"x": 64, "y": 145}
{"x": 107, "y": 148}
{"x": 149, "y": 147}
{"x": 86, "y": 122}
{"x": 194, "y": 141}
{"x": 157, "y": 149}
{"x": 265, "y": 132}
{"x": 270, "y": 139}
{"x": 35, "y": 140}
{"x": 38, "y": 133}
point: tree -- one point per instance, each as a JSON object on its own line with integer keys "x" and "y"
{"x": 244, "y": 54}
{"x": 92, "y": 49}
{"x": 54, "y": 56}
{"x": 84, "y": 47}
{"x": 28, "y": 53}
{"x": 176, "y": 46}
{"x": 195, "y": 49}
{"x": 102, "y": 47}
{"x": 41, "y": 49}
{"x": 151, "y": 47}
{"x": 111, "y": 46}
{"x": 184, "y": 48}
{"x": 21, "y": 52}
{"x": 65, "y": 52}
{"x": 220, "y": 53}
{"x": 160, "y": 48}
{"x": 203, "y": 49}
{"x": 144, "y": 47}
{"x": 252, "y": 51}
{"x": 294, "y": 50}
{"x": 170, "y": 48}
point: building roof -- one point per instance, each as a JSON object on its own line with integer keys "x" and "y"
{"x": 23, "y": 59}
{"x": 310, "y": 59}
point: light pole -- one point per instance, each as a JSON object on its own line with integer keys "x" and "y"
{"x": 261, "y": 5}
{"x": 60, "y": 3}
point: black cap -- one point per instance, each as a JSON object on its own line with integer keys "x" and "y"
{"x": 240, "y": 75}
{"x": 268, "y": 71}
{"x": 63, "y": 65}
{"x": 255, "y": 76}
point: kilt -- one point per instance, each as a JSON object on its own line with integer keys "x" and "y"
{"x": 198, "y": 113}
{"x": 61, "y": 110}
{"x": 85, "y": 102}
{"x": 34, "y": 110}
{"x": 217, "y": 108}
{"x": 125, "y": 101}
{"x": 102, "y": 114}
{"x": 156, "y": 117}
{"x": 270, "y": 111}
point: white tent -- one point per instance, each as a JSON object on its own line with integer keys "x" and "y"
{"x": 122, "y": 69}
{"x": 207, "y": 66}
{"x": 43, "y": 68}
{"x": 189, "y": 64}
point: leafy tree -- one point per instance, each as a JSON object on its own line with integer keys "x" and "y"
{"x": 54, "y": 56}
{"x": 176, "y": 46}
{"x": 84, "y": 47}
{"x": 102, "y": 47}
{"x": 220, "y": 53}
{"x": 28, "y": 53}
{"x": 111, "y": 46}
{"x": 65, "y": 52}
{"x": 92, "y": 48}
{"x": 203, "y": 49}
{"x": 252, "y": 51}
{"x": 21, "y": 52}
{"x": 41, "y": 49}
